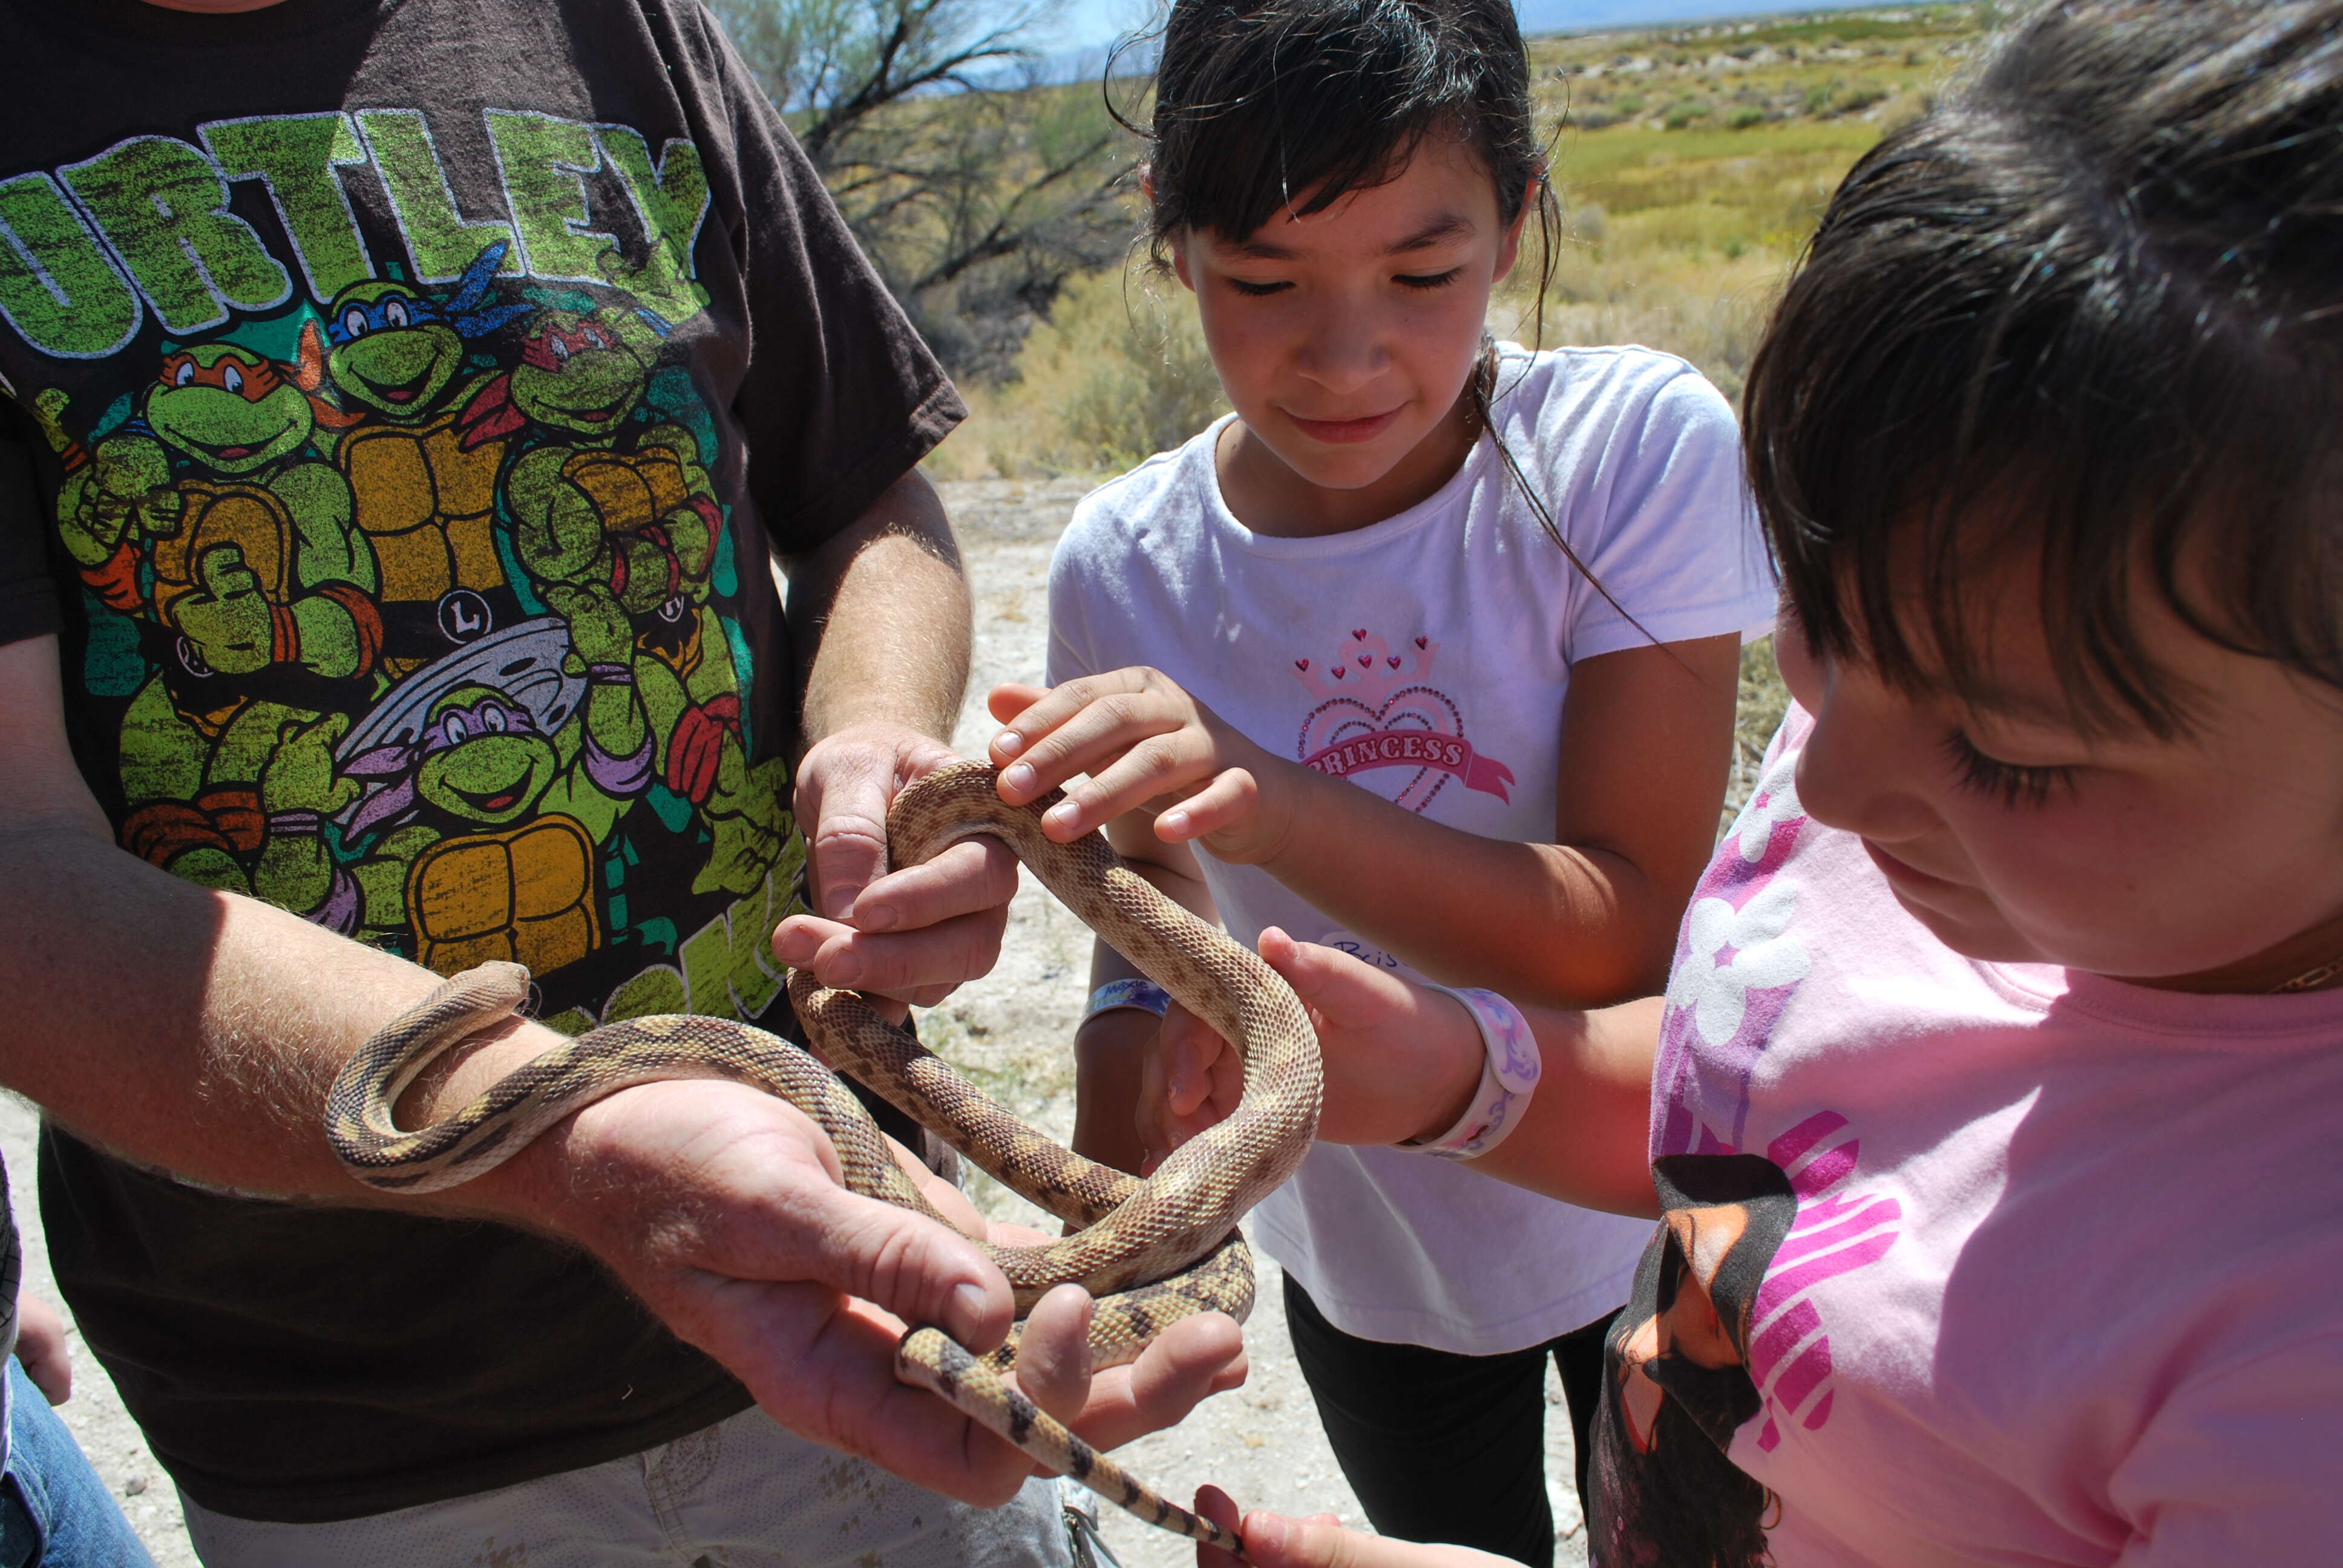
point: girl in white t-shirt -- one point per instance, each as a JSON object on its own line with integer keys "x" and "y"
{"x": 1995, "y": 1110}
{"x": 1428, "y": 652}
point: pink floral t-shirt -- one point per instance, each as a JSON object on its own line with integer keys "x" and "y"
{"x": 1966, "y": 1262}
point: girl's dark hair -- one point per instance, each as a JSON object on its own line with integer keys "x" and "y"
{"x": 2090, "y": 306}
{"x": 1263, "y": 106}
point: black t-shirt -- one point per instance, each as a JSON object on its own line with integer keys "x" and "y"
{"x": 405, "y": 399}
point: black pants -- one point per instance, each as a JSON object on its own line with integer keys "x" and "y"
{"x": 1446, "y": 1447}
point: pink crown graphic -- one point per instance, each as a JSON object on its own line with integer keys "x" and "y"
{"x": 1367, "y": 667}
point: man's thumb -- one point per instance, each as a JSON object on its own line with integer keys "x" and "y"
{"x": 848, "y": 842}
{"x": 918, "y": 1269}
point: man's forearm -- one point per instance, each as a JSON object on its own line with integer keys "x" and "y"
{"x": 879, "y": 619}
{"x": 190, "y": 1029}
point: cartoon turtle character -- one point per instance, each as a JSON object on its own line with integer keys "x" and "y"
{"x": 600, "y": 496}
{"x": 243, "y": 544}
{"x": 487, "y": 809}
{"x": 421, "y": 468}
{"x": 235, "y": 799}
{"x": 692, "y": 693}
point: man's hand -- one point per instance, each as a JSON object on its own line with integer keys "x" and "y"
{"x": 1274, "y": 1541}
{"x": 912, "y": 935}
{"x": 721, "y": 1209}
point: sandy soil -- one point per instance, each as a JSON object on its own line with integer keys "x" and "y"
{"x": 1011, "y": 1030}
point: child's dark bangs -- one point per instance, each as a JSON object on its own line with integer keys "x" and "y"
{"x": 2024, "y": 331}
{"x": 1293, "y": 105}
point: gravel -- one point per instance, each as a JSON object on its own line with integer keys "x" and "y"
{"x": 1011, "y": 1030}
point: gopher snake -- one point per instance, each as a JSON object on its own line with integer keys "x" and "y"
{"x": 1152, "y": 1250}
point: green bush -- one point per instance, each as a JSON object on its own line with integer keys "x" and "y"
{"x": 1684, "y": 111}
{"x": 1746, "y": 115}
{"x": 1117, "y": 374}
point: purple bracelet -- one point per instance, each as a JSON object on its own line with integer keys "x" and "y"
{"x": 1507, "y": 1078}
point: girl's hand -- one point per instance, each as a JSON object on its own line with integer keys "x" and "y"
{"x": 41, "y": 1346}
{"x": 1402, "y": 1061}
{"x": 1142, "y": 739}
{"x": 1273, "y": 1540}
{"x": 1188, "y": 1079}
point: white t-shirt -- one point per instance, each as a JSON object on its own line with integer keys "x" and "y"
{"x": 1425, "y": 658}
{"x": 2034, "y": 1267}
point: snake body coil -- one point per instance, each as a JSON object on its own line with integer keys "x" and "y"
{"x": 1152, "y": 1251}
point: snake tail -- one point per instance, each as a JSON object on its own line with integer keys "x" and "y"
{"x": 931, "y": 1359}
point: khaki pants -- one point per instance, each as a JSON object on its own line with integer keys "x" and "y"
{"x": 742, "y": 1493}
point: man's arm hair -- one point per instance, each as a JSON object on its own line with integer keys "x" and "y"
{"x": 879, "y": 618}
{"x": 186, "y": 1029}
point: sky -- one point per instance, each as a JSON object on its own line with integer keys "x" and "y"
{"x": 1093, "y": 24}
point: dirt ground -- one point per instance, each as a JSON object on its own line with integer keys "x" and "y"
{"x": 1012, "y": 1030}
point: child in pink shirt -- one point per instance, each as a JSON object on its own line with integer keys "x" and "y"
{"x": 1995, "y": 1104}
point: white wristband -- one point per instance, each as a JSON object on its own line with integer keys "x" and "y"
{"x": 1143, "y": 994}
{"x": 1508, "y": 1078}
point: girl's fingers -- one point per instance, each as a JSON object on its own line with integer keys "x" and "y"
{"x": 1128, "y": 770}
{"x": 1229, "y": 798}
{"x": 1341, "y": 989}
{"x": 1040, "y": 747}
{"x": 1011, "y": 698}
{"x": 1218, "y": 1506}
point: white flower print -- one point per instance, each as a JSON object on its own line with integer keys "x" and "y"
{"x": 1776, "y": 800}
{"x": 1732, "y": 953}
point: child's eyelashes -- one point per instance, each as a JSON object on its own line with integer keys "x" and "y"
{"x": 2015, "y": 783}
{"x": 1255, "y": 288}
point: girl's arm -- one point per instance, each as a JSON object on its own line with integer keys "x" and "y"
{"x": 1403, "y": 1060}
{"x": 1589, "y": 918}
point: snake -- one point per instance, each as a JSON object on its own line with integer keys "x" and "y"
{"x": 1152, "y": 1251}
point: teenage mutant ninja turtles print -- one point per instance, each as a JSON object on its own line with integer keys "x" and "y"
{"x": 412, "y": 601}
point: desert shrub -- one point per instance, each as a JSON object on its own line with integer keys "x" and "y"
{"x": 1684, "y": 111}
{"x": 1746, "y": 115}
{"x": 1118, "y": 373}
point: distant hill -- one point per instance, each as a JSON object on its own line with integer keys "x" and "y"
{"x": 1580, "y": 15}
{"x": 1090, "y": 26}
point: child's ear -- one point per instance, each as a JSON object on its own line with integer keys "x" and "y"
{"x": 1509, "y": 245}
{"x": 1180, "y": 261}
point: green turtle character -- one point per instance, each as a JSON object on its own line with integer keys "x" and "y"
{"x": 600, "y": 496}
{"x": 692, "y": 694}
{"x": 421, "y": 466}
{"x": 243, "y": 544}
{"x": 490, "y": 817}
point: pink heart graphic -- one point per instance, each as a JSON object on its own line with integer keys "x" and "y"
{"x": 1342, "y": 718}
{"x": 1300, "y": 664}
{"x": 1361, "y": 633}
{"x": 1365, "y": 659}
{"x": 1340, "y": 671}
{"x": 1393, "y": 662}
{"x": 1422, "y": 641}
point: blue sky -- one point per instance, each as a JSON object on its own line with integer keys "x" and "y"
{"x": 1089, "y": 24}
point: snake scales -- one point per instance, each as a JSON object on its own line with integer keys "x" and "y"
{"x": 1152, "y": 1250}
